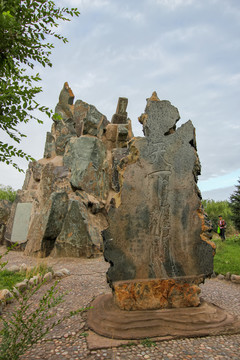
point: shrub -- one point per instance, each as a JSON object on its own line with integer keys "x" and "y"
{"x": 26, "y": 326}
{"x": 7, "y": 193}
{"x": 235, "y": 206}
{"x": 29, "y": 322}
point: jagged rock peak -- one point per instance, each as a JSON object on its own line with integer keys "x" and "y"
{"x": 65, "y": 195}
{"x": 66, "y": 95}
{"x": 154, "y": 97}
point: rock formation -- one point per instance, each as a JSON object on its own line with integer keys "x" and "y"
{"x": 65, "y": 195}
{"x": 141, "y": 193}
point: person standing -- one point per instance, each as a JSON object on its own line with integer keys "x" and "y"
{"x": 222, "y": 226}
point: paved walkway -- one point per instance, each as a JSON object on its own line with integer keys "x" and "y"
{"x": 87, "y": 280}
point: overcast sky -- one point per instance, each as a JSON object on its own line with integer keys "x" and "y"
{"x": 186, "y": 50}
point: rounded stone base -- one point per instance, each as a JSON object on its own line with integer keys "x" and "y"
{"x": 108, "y": 320}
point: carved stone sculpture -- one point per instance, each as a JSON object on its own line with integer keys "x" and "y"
{"x": 158, "y": 242}
{"x": 156, "y": 228}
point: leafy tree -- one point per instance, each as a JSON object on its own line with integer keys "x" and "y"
{"x": 235, "y": 206}
{"x": 7, "y": 193}
{"x": 216, "y": 208}
{"x": 25, "y": 26}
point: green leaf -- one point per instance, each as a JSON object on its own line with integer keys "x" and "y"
{"x": 24, "y": 28}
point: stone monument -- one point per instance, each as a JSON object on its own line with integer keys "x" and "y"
{"x": 156, "y": 223}
{"x": 158, "y": 243}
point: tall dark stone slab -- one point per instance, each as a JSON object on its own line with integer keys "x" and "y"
{"x": 156, "y": 222}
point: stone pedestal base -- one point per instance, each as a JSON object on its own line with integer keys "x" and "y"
{"x": 106, "y": 319}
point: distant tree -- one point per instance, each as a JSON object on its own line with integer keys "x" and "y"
{"x": 216, "y": 208}
{"x": 7, "y": 193}
{"x": 235, "y": 206}
{"x": 24, "y": 28}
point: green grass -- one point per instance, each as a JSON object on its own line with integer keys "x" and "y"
{"x": 8, "y": 279}
{"x": 227, "y": 258}
{"x": 129, "y": 344}
{"x": 148, "y": 342}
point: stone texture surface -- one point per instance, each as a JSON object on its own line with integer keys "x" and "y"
{"x": 120, "y": 117}
{"x": 156, "y": 294}
{"x": 21, "y": 286}
{"x": 50, "y": 149}
{"x": 46, "y": 225}
{"x": 117, "y": 156}
{"x": 235, "y": 279}
{"x": 88, "y": 120}
{"x": 47, "y": 277}
{"x": 156, "y": 222}
{"x": 14, "y": 268}
{"x": 75, "y": 238}
{"x": 64, "y": 107}
{"x": 111, "y": 133}
{"x": 86, "y": 158}
{"x": 5, "y": 211}
{"x": 6, "y": 297}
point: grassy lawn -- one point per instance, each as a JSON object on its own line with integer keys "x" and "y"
{"x": 227, "y": 258}
{"x": 8, "y": 279}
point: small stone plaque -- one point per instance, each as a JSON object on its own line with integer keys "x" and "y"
{"x": 21, "y": 223}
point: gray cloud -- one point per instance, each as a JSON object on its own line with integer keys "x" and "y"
{"x": 186, "y": 50}
{"x": 218, "y": 194}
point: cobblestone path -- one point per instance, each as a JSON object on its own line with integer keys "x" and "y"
{"x": 87, "y": 280}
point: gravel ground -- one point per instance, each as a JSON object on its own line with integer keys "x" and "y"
{"x": 87, "y": 280}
